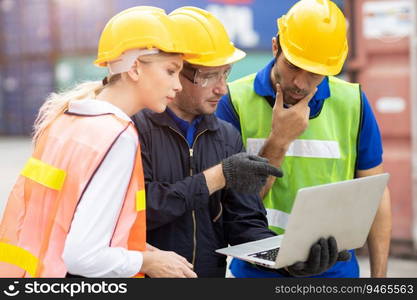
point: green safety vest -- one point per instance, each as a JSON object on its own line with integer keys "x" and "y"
{"x": 326, "y": 152}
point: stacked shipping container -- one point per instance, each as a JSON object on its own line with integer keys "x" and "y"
{"x": 380, "y": 43}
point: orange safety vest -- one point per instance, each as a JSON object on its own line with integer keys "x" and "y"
{"x": 42, "y": 204}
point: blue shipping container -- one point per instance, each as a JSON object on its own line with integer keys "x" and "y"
{"x": 11, "y": 27}
{"x": 25, "y": 26}
{"x": 25, "y": 86}
{"x": 36, "y": 18}
{"x": 2, "y": 121}
{"x": 80, "y": 23}
{"x": 12, "y": 91}
{"x": 39, "y": 83}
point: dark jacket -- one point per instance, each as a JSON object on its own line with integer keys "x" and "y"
{"x": 181, "y": 216}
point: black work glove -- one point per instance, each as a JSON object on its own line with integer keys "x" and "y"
{"x": 247, "y": 173}
{"x": 323, "y": 255}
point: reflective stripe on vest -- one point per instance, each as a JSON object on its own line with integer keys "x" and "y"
{"x": 277, "y": 218}
{"x": 326, "y": 152}
{"x": 44, "y": 174}
{"x": 140, "y": 200}
{"x": 301, "y": 148}
{"x": 41, "y": 206}
{"x": 19, "y": 257}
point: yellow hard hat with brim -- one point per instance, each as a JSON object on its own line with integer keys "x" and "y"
{"x": 313, "y": 36}
{"x": 207, "y": 36}
{"x": 141, "y": 27}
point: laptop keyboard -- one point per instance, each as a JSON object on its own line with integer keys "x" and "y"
{"x": 267, "y": 255}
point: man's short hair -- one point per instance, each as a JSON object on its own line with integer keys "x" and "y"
{"x": 279, "y": 47}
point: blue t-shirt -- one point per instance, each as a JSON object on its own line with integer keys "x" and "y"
{"x": 370, "y": 143}
{"x": 369, "y": 156}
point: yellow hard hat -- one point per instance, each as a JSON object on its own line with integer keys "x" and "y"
{"x": 207, "y": 36}
{"x": 141, "y": 27}
{"x": 313, "y": 36}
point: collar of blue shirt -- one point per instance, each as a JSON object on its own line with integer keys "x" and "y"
{"x": 188, "y": 129}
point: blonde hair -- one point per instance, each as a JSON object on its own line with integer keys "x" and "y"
{"x": 57, "y": 103}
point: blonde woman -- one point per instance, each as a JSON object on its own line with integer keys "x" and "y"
{"x": 78, "y": 207}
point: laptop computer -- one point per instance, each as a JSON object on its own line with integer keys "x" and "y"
{"x": 344, "y": 210}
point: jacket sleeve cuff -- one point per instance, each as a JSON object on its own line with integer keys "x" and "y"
{"x": 198, "y": 196}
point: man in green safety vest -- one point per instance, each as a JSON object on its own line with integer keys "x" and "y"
{"x": 324, "y": 126}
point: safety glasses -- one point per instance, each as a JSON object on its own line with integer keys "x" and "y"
{"x": 204, "y": 78}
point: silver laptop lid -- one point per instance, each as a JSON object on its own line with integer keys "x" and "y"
{"x": 345, "y": 210}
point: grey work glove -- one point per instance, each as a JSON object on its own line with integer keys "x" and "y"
{"x": 323, "y": 255}
{"x": 247, "y": 173}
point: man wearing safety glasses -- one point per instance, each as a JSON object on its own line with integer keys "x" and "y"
{"x": 201, "y": 191}
{"x": 202, "y": 90}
